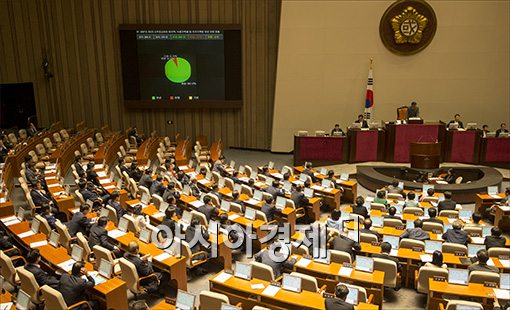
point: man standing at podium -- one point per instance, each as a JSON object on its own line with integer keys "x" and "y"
{"x": 413, "y": 110}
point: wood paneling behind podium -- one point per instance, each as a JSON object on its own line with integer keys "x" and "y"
{"x": 82, "y": 44}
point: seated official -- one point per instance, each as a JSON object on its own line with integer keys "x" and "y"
{"x": 337, "y": 131}
{"x": 331, "y": 177}
{"x": 385, "y": 254}
{"x": 485, "y": 131}
{"x": 99, "y": 236}
{"x": 450, "y": 177}
{"x": 157, "y": 186}
{"x": 80, "y": 222}
{"x": 437, "y": 260}
{"x": 215, "y": 191}
{"x": 41, "y": 276}
{"x": 339, "y": 303}
{"x": 235, "y": 199}
{"x": 235, "y": 177}
{"x": 196, "y": 229}
{"x": 144, "y": 267}
{"x": 502, "y": 129}
{"x": 88, "y": 191}
{"x": 225, "y": 224}
{"x": 146, "y": 179}
{"x": 410, "y": 202}
{"x": 134, "y": 172}
{"x": 456, "y": 234}
{"x": 333, "y": 221}
{"x": 275, "y": 189}
{"x": 361, "y": 121}
{"x": 416, "y": 233}
{"x": 495, "y": 240}
{"x": 393, "y": 188}
{"x": 430, "y": 193}
{"x": 367, "y": 224}
{"x": 447, "y": 203}
{"x": 359, "y": 208}
{"x": 432, "y": 217}
{"x": 380, "y": 197}
{"x": 141, "y": 220}
{"x": 195, "y": 190}
{"x": 92, "y": 174}
{"x": 39, "y": 195}
{"x": 6, "y": 244}
{"x": 182, "y": 177}
{"x": 264, "y": 258}
{"x": 269, "y": 209}
{"x": 476, "y": 217}
{"x": 299, "y": 197}
{"x": 114, "y": 202}
{"x": 133, "y": 133}
{"x": 208, "y": 209}
{"x": 219, "y": 166}
{"x": 391, "y": 214}
{"x": 342, "y": 243}
{"x": 482, "y": 257}
{"x": 168, "y": 220}
{"x": 73, "y": 287}
{"x": 48, "y": 216}
{"x": 170, "y": 191}
{"x": 456, "y": 120}
{"x": 413, "y": 110}
{"x": 308, "y": 171}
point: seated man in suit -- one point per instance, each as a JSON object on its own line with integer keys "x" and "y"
{"x": 168, "y": 220}
{"x": 416, "y": 233}
{"x": 391, "y": 214}
{"x": 362, "y": 121}
{"x": 80, "y": 222}
{"x": 78, "y": 165}
{"x": 41, "y": 276}
{"x": 393, "y": 188}
{"x": 92, "y": 174}
{"x": 48, "y": 216}
{"x": 385, "y": 254}
{"x": 6, "y": 244}
{"x": 432, "y": 216}
{"x": 308, "y": 171}
{"x": 367, "y": 224}
{"x": 235, "y": 177}
{"x": 73, "y": 287}
{"x": 342, "y": 243}
{"x": 219, "y": 166}
{"x": 339, "y": 303}
{"x": 482, "y": 257}
{"x": 143, "y": 266}
{"x": 456, "y": 234}
{"x": 146, "y": 179}
{"x": 39, "y": 195}
{"x": 170, "y": 191}
{"x": 476, "y": 218}
{"x": 235, "y": 199}
{"x": 485, "y": 131}
{"x": 502, "y": 129}
{"x": 195, "y": 190}
{"x": 430, "y": 193}
{"x": 157, "y": 186}
{"x": 456, "y": 120}
{"x": 265, "y": 258}
{"x": 215, "y": 191}
{"x": 135, "y": 172}
{"x": 275, "y": 189}
{"x": 193, "y": 230}
{"x": 208, "y": 209}
{"x": 447, "y": 203}
{"x": 410, "y": 201}
{"x": 99, "y": 236}
{"x": 495, "y": 240}
{"x": 114, "y": 202}
{"x": 299, "y": 197}
{"x": 359, "y": 208}
{"x": 269, "y": 209}
{"x": 89, "y": 192}
{"x": 182, "y": 177}
{"x": 331, "y": 177}
{"x": 450, "y": 176}
{"x": 337, "y": 131}
{"x": 413, "y": 110}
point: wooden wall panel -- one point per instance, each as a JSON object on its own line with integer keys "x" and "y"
{"x": 81, "y": 40}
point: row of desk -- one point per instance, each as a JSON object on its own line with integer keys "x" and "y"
{"x": 392, "y": 145}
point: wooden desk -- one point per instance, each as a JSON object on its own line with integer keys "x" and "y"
{"x": 425, "y": 155}
{"x": 495, "y": 151}
{"x": 462, "y": 146}
{"x": 7, "y": 297}
{"x": 350, "y": 187}
{"x": 366, "y": 145}
{"x": 473, "y": 290}
{"x": 485, "y": 201}
{"x": 502, "y": 213}
{"x": 239, "y": 290}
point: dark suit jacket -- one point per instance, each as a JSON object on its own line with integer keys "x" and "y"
{"x": 146, "y": 181}
{"x": 170, "y": 192}
{"x": 39, "y": 198}
{"x": 73, "y": 288}
{"x": 79, "y": 223}
{"x": 456, "y": 236}
{"x": 299, "y": 199}
{"x": 416, "y": 234}
{"x": 337, "y": 304}
{"x": 41, "y": 276}
{"x": 190, "y": 233}
{"x": 446, "y": 204}
{"x": 120, "y": 210}
{"x": 263, "y": 257}
{"x": 157, "y": 188}
{"x": 341, "y": 243}
{"x": 143, "y": 268}
{"x": 269, "y": 210}
{"x": 275, "y": 192}
{"x": 79, "y": 168}
{"x": 386, "y": 256}
{"x": 99, "y": 236}
{"x": 207, "y": 210}
{"x": 360, "y": 210}
{"x": 492, "y": 242}
{"x": 309, "y": 173}
{"x": 88, "y": 195}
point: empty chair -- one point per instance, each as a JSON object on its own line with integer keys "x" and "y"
{"x": 483, "y": 276}
{"x": 64, "y": 134}
{"x": 261, "y": 216}
{"x": 103, "y": 253}
{"x": 235, "y": 207}
{"x": 424, "y": 274}
{"x": 200, "y": 216}
{"x": 449, "y": 213}
{"x": 79, "y": 196}
{"x": 391, "y": 276}
{"x": 229, "y": 183}
{"x": 130, "y": 276}
{"x": 340, "y": 257}
{"x": 12, "y": 138}
{"x": 44, "y": 227}
{"x": 112, "y": 214}
{"x": 22, "y": 134}
{"x": 248, "y": 170}
{"x": 262, "y": 272}
{"x": 245, "y": 189}
{"x": 91, "y": 145}
{"x": 54, "y": 300}
{"x": 308, "y": 283}
{"x": 364, "y": 237}
{"x": 157, "y": 200}
{"x": 289, "y": 169}
{"x": 29, "y": 285}
{"x": 84, "y": 243}
{"x": 212, "y": 300}
{"x": 7, "y": 269}
{"x": 41, "y": 151}
{"x": 413, "y": 210}
{"x": 65, "y": 237}
{"x": 57, "y": 138}
{"x": 299, "y": 249}
{"x": 49, "y": 145}
{"x": 454, "y": 247}
{"x": 192, "y": 259}
{"x": 495, "y": 252}
{"x": 411, "y": 243}
{"x": 99, "y": 138}
{"x": 377, "y": 206}
{"x": 457, "y": 304}
{"x": 85, "y": 152}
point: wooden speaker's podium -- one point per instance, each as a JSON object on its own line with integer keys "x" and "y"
{"x": 425, "y": 155}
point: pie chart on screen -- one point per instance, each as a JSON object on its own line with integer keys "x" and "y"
{"x": 177, "y": 70}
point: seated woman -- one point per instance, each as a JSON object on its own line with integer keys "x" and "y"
{"x": 381, "y": 198}
{"x": 437, "y": 261}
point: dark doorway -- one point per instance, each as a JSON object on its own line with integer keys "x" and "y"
{"x": 17, "y": 104}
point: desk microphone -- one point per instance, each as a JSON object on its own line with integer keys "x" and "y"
{"x": 170, "y": 122}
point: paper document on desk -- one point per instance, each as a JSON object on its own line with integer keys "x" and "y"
{"x": 196, "y": 203}
{"x": 244, "y": 179}
{"x": 271, "y": 290}
{"x": 251, "y": 201}
{"x": 303, "y": 262}
{"x": 328, "y": 190}
{"x": 51, "y": 178}
{"x": 490, "y": 262}
{"x": 277, "y": 175}
{"x": 110, "y": 187}
{"x": 297, "y": 182}
{"x": 441, "y": 182}
{"x": 495, "y": 196}
{"x": 345, "y": 271}
{"x": 115, "y": 233}
{"x": 233, "y": 216}
{"x": 54, "y": 185}
{"x": 501, "y": 294}
{"x": 38, "y": 244}
{"x": 504, "y": 208}
{"x": 426, "y": 258}
{"x": 223, "y": 277}
{"x": 394, "y": 252}
{"x": 505, "y": 262}
{"x": 2, "y": 200}
{"x": 161, "y": 257}
{"x": 259, "y": 184}
{"x": 67, "y": 265}
{"x": 370, "y": 199}
{"x": 15, "y": 221}
{"x": 258, "y": 286}
{"x": 317, "y": 187}
{"x": 183, "y": 167}
{"x": 6, "y": 306}
{"x": 203, "y": 181}
{"x": 102, "y": 174}
{"x": 98, "y": 166}
{"x": 104, "y": 181}
{"x": 478, "y": 240}
{"x": 158, "y": 215}
{"x": 26, "y": 234}
{"x": 9, "y": 218}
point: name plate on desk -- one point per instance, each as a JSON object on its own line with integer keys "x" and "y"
{"x": 400, "y": 227}
{"x": 417, "y": 249}
{"x": 437, "y": 232}
{"x": 489, "y": 284}
{"x": 439, "y": 279}
{"x": 458, "y": 253}
{"x": 328, "y": 295}
{"x": 375, "y": 243}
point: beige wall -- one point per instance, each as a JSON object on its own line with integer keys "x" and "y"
{"x": 81, "y": 40}
{"x": 324, "y": 52}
